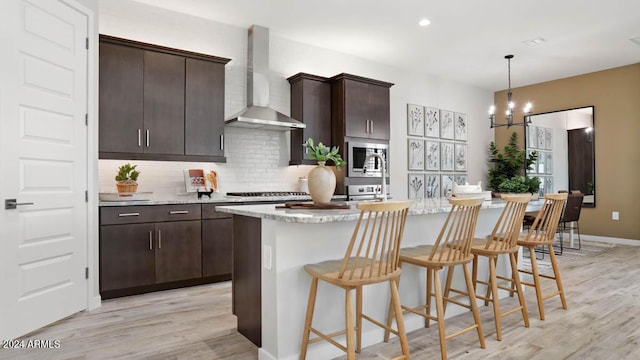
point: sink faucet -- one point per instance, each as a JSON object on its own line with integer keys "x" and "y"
{"x": 384, "y": 172}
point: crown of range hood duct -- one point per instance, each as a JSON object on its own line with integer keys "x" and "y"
{"x": 258, "y": 114}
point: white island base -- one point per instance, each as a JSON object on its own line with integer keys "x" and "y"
{"x": 283, "y": 241}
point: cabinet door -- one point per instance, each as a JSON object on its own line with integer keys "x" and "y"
{"x": 163, "y": 103}
{"x": 127, "y": 256}
{"x": 178, "y": 251}
{"x": 121, "y": 98}
{"x": 204, "y": 108}
{"x": 356, "y": 108}
{"x": 379, "y": 112}
{"x": 217, "y": 242}
{"x": 311, "y": 104}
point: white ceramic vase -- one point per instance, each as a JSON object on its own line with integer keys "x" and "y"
{"x": 322, "y": 183}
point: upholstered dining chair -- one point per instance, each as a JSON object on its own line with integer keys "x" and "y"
{"x": 502, "y": 241}
{"x": 451, "y": 249}
{"x": 542, "y": 232}
{"x": 571, "y": 216}
{"x": 371, "y": 257}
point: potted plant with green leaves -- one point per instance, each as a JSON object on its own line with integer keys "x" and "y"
{"x": 507, "y": 172}
{"x": 322, "y": 179}
{"x": 126, "y": 179}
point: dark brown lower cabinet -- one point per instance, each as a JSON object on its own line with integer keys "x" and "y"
{"x": 178, "y": 251}
{"x": 127, "y": 258}
{"x": 158, "y": 247}
{"x": 135, "y": 255}
{"x": 217, "y": 235}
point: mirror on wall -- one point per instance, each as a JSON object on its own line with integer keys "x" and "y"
{"x": 564, "y": 141}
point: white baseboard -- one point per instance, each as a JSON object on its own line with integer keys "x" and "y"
{"x": 611, "y": 240}
{"x": 94, "y": 303}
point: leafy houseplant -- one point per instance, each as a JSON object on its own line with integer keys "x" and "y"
{"x": 506, "y": 174}
{"x": 323, "y": 153}
{"x": 126, "y": 178}
{"x": 322, "y": 180}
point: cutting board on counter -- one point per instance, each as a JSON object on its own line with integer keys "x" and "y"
{"x": 314, "y": 206}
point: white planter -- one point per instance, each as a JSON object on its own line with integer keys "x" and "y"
{"x": 322, "y": 183}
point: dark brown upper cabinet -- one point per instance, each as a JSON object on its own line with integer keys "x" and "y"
{"x": 163, "y": 104}
{"x": 159, "y": 103}
{"x": 311, "y": 104}
{"x": 204, "y": 118}
{"x": 121, "y": 97}
{"x": 359, "y": 108}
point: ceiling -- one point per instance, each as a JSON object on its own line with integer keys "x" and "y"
{"x": 466, "y": 41}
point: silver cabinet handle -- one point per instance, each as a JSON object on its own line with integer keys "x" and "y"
{"x": 11, "y": 204}
{"x": 371, "y": 127}
{"x": 306, "y": 149}
{"x": 150, "y": 240}
{"x": 221, "y": 141}
{"x": 178, "y": 212}
{"x": 139, "y": 137}
{"x": 148, "y": 133}
{"x": 159, "y": 239}
{"x": 128, "y": 214}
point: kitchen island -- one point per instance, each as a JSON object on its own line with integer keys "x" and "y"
{"x": 270, "y": 286}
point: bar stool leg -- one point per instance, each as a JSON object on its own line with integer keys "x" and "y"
{"x": 427, "y": 309}
{"x": 473, "y": 304}
{"x": 450, "y": 271}
{"x": 556, "y": 275}
{"x": 494, "y": 294}
{"x": 518, "y": 286}
{"x": 391, "y": 312}
{"x": 358, "y": 319}
{"x": 307, "y": 322}
{"x": 440, "y": 311}
{"x": 536, "y": 280}
{"x": 395, "y": 298}
{"x": 351, "y": 351}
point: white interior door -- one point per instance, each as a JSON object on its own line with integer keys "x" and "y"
{"x": 43, "y": 162}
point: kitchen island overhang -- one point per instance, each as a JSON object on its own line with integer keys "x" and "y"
{"x": 271, "y": 288}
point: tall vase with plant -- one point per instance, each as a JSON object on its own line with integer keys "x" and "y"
{"x": 507, "y": 171}
{"x": 322, "y": 180}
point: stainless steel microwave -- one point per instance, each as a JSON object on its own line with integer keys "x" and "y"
{"x": 358, "y": 152}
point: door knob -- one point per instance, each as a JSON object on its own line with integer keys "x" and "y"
{"x": 11, "y": 204}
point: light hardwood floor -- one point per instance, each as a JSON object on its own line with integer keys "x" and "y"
{"x": 602, "y": 322}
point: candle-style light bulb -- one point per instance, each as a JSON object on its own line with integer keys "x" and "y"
{"x": 492, "y": 110}
{"x": 527, "y": 108}
{"x": 511, "y": 104}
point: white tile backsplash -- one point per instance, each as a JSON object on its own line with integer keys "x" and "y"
{"x": 257, "y": 160}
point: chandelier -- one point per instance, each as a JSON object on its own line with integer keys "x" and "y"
{"x": 510, "y": 106}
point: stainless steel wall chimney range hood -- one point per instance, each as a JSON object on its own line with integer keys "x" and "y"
{"x": 258, "y": 114}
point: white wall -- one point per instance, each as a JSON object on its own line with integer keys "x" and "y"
{"x": 247, "y": 169}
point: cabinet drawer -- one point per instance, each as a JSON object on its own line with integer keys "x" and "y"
{"x": 209, "y": 211}
{"x": 148, "y": 213}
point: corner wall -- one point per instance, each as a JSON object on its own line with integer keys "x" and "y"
{"x": 615, "y": 93}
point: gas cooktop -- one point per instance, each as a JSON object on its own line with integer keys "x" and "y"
{"x": 267, "y": 193}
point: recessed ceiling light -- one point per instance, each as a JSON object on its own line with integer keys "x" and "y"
{"x": 534, "y": 42}
{"x": 636, "y": 40}
{"x": 424, "y": 22}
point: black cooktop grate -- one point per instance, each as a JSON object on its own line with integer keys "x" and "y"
{"x": 267, "y": 193}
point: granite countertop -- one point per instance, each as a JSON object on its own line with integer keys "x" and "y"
{"x": 418, "y": 207}
{"x": 216, "y": 198}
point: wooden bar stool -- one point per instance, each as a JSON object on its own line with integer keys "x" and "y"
{"x": 452, "y": 248}
{"x": 542, "y": 232}
{"x": 503, "y": 240}
{"x": 371, "y": 257}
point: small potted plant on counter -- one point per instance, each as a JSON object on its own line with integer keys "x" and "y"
{"x": 321, "y": 179}
{"x": 126, "y": 179}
